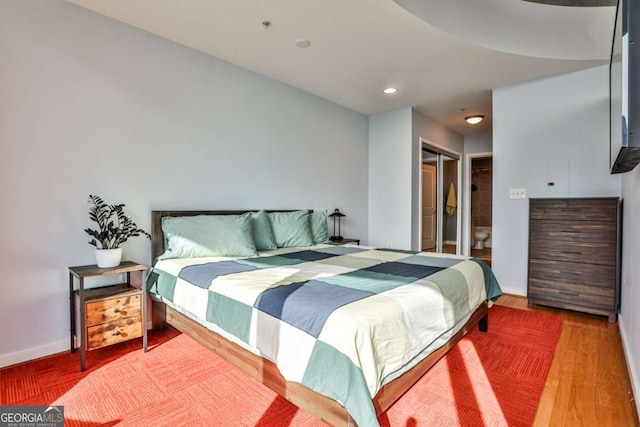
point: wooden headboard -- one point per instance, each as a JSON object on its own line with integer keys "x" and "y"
{"x": 157, "y": 237}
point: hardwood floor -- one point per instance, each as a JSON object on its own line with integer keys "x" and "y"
{"x": 483, "y": 254}
{"x": 588, "y": 383}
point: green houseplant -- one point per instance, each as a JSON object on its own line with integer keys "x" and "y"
{"x": 114, "y": 228}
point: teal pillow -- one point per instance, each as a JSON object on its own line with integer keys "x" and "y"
{"x": 262, "y": 234}
{"x": 208, "y": 235}
{"x": 319, "y": 229}
{"x": 291, "y": 229}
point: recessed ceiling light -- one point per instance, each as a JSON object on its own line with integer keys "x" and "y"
{"x": 474, "y": 120}
{"x": 390, "y": 90}
{"x": 303, "y": 43}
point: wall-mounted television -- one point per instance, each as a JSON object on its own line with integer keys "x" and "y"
{"x": 624, "y": 88}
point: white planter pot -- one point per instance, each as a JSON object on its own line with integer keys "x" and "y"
{"x": 106, "y": 258}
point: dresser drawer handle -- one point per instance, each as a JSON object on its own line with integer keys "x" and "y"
{"x": 116, "y": 310}
{"x": 569, "y": 294}
{"x": 116, "y": 332}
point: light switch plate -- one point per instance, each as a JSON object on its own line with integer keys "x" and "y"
{"x": 517, "y": 193}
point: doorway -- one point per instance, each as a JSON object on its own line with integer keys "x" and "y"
{"x": 440, "y": 220}
{"x": 478, "y": 206}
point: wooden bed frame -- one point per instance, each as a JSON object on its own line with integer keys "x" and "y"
{"x": 322, "y": 407}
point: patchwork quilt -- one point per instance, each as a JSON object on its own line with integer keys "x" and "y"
{"x": 341, "y": 320}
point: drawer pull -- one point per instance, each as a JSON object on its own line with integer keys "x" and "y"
{"x": 116, "y": 310}
{"x": 569, "y": 294}
{"x": 116, "y": 332}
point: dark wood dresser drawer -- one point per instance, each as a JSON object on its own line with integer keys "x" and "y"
{"x": 605, "y": 209}
{"x": 580, "y": 252}
{"x": 574, "y": 252}
{"x": 570, "y": 293}
{"x": 573, "y": 231}
{"x": 573, "y": 272}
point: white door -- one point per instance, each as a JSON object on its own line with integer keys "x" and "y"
{"x": 429, "y": 207}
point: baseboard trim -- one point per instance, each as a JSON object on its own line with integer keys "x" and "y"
{"x": 41, "y": 351}
{"x": 633, "y": 374}
{"x": 33, "y": 353}
{"x": 513, "y": 291}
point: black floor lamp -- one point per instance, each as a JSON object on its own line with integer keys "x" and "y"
{"x": 334, "y": 215}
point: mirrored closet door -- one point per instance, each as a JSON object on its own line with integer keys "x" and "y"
{"x": 440, "y": 216}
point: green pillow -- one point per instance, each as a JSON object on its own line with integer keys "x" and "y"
{"x": 291, "y": 229}
{"x": 319, "y": 229}
{"x": 262, "y": 233}
{"x": 208, "y": 235}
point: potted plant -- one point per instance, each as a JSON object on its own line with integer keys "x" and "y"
{"x": 114, "y": 228}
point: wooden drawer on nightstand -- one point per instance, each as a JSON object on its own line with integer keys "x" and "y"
{"x": 112, "y": 314}
{"x": 110, "y": 309}
{"x": 114, "y": 332}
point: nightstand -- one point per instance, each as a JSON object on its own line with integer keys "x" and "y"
{"x": 345, "y": 241}
{"x": 108, "y": 314}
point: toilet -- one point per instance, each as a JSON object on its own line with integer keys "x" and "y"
{"x": 481, "y": 235}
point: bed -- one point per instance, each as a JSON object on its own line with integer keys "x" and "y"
{"x": 341, "y": 331}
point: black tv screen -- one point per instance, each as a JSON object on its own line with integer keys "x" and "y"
{"x": 624, "y": 89}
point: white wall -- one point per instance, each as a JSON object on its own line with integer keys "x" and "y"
{"x": 478, "y": 143}
{"x": 473, "y": 144}
{"x": 548, "y": 130}
{"x": 390, "y": 192}
{"x": 630, "y": 293}
{"x": 395, "y": 156}
{"x": 90, "y": 105}
{"x": 434, "y": 132}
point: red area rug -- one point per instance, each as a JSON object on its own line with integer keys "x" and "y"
{"x": 488, "y": 379}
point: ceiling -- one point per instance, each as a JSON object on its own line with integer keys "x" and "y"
{"x": 443, "y": 56}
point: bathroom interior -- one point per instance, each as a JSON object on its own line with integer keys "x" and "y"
{"x": 481, "y": 197}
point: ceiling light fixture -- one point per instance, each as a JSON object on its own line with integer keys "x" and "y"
{"x": 390, "y": 90}
{"x": 474, "y": 120}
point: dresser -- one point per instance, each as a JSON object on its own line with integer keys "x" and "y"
{"x": 574, "y": 254}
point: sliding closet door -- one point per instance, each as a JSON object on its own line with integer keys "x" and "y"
{"x": 429, "y": 206}
{"x": 440, "y": 219}
{"x": 450, "y": 215}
